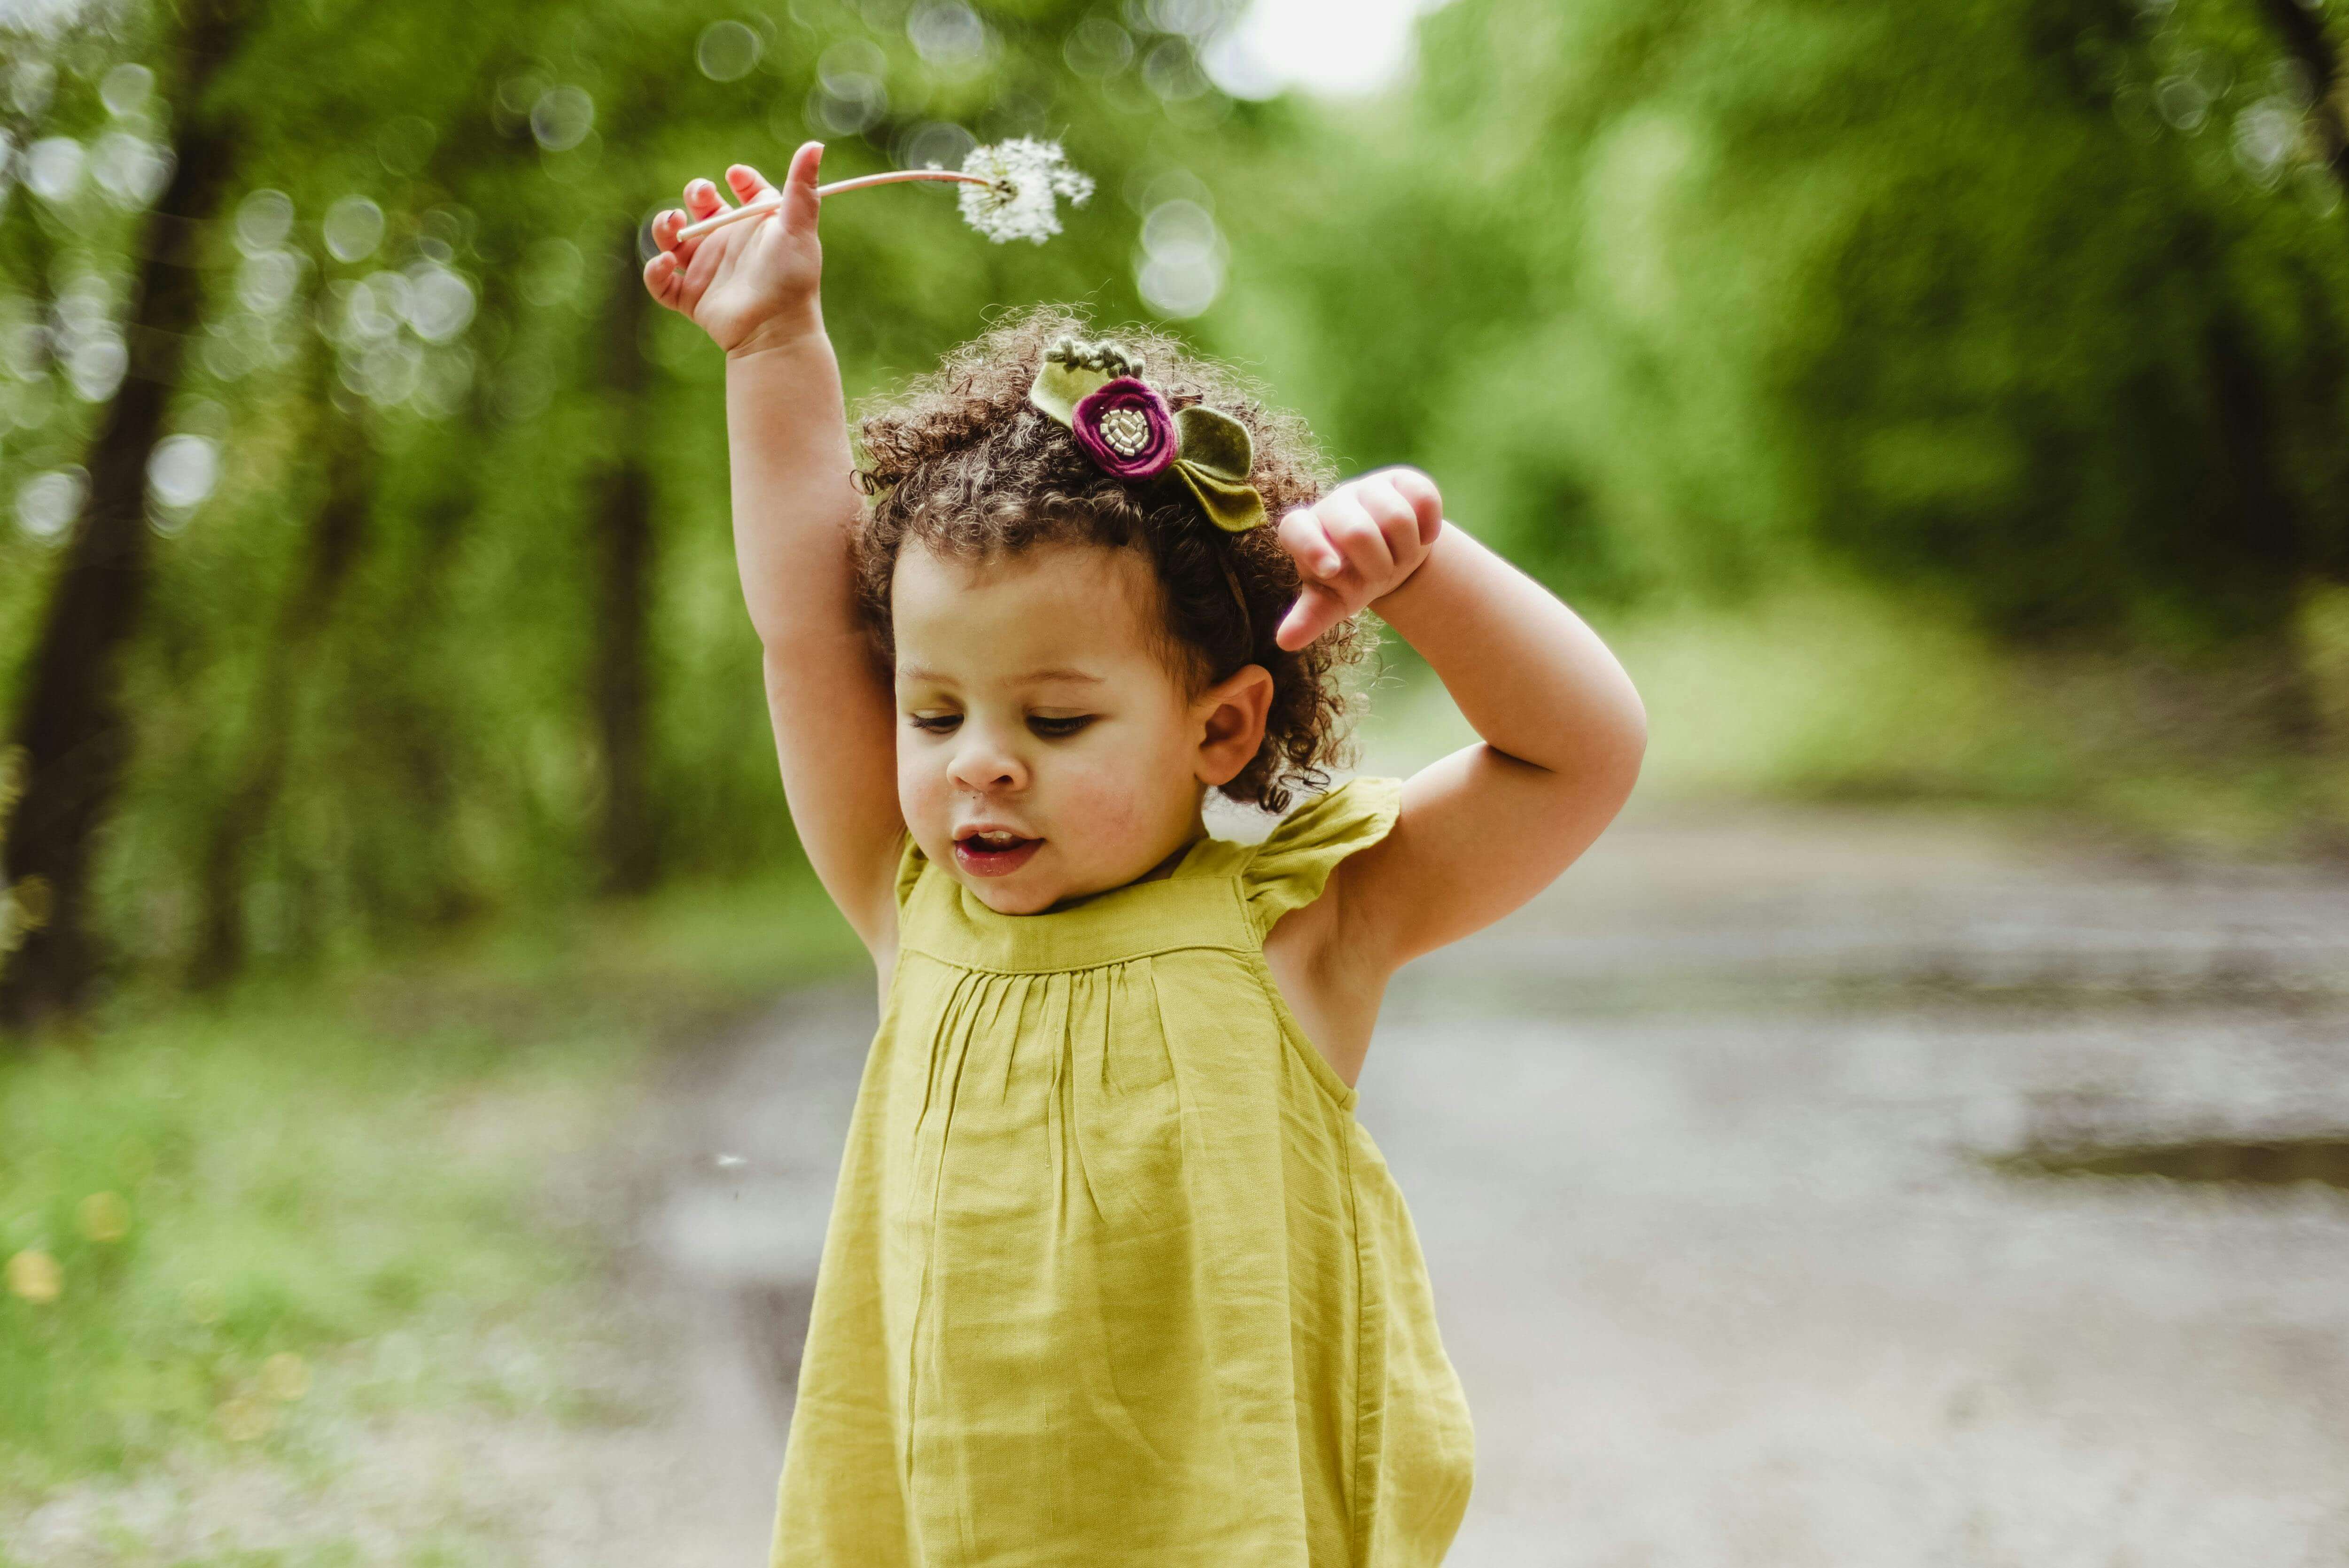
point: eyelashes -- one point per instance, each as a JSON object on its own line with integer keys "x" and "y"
{"x": 1056, "y": 729}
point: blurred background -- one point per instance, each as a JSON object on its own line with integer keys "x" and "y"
{"x": 1916, "y": 1135}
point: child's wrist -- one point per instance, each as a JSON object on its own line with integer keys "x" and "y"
{"x": 782, "y": 333}
{"x": 1414, "y": 574}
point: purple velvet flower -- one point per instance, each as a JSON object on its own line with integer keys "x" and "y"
{"x": 1126, "y": 427}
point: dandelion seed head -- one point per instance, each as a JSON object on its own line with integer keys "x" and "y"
{"x": 1023, "y": 178}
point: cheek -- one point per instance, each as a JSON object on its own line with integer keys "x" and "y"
{"x": 925, "y": 796}
{"x": 1122, "y": 794}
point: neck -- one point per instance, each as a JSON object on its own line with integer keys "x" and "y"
{"x": 1165, "y": 868}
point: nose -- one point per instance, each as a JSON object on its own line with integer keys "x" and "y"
{"x": 983, "y": 764}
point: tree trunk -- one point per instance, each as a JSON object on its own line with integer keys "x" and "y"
{"x": 628, "y": 846}
{"x": 2271, "y": 551}
{"x": 337, "y": 532}
{"x": 72, "y": 732}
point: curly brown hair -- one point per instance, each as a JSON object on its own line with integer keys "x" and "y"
{"x": 961, "y": 463}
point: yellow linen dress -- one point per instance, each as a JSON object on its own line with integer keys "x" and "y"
{"x": 1113, "y": 1276}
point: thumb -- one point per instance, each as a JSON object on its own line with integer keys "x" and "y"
{"x": 800, "y": 202}
{"x": 661, "y": 277}
{"x": 1316, "y": 610}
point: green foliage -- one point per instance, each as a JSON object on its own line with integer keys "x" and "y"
{"x": 2033, "y": 307}
{"x": 350, "y": 730}
{"x": 1675, "y": 295}
{"x": 262, "y": 1219}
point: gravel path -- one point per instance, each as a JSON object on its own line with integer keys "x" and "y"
{"x": 1698, "y": 1147}
{"x": 1695, "y": 1145}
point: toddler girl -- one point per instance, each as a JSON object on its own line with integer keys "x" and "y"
{"x": 1113, "y": 1276}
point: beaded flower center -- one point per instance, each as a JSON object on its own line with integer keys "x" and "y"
{"x": 1125, "y": 431}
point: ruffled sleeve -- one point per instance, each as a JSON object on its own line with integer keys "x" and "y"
{"x": 910, "y": 863}
{"x": 1292, "y": 865}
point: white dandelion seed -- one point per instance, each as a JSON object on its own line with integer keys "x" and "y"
{"x": 1023, "y": 178}
{"x": 1010, "y": 191}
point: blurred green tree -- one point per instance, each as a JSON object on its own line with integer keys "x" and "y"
{"x": 436, "y": 612}
{"x": 72, "y": 732}
{"x": 2039, "y": 303}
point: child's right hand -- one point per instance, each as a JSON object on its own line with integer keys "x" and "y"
{"x": 753, "y": 283}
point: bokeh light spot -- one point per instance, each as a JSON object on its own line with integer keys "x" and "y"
{"x": 936, "y": 144}
{"x": 46, "y": 504}
{"x": 848, "y": 105}
{"x": 1172, "y": 70}
{"x": 850, "y": 61}
{"x": 562, "y": 118}
{"x": 726, "y": 51}
{"x": 129, "y": 168}
{"x": 1180, "y": 269}
{"x": 53, "y": 168}
{"x": 267, "y": 280}
{"x": 264, "y": 218}
{"x": 354, "y": 228}
{"x": 96, "y": 367}
{"x": 35, "y": 1275}
{"x": 182, "y": 470}
{"x": 440, "y": 301}
{"x": 1097, "y": 47}
{"x": 948, "y": 35}
{"x": 124, "y": 88}
{"x": 104, "y": 1216}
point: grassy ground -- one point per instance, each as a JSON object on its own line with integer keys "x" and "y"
{"x": 1830, "y": 692}
{"x": 237, "y": 1233}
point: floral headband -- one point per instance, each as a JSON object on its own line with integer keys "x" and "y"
{"x": 1125, "y": 425}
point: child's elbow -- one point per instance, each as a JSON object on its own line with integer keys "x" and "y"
{"x": 1626, "y": 747}
{"x": 1635, "y": 723}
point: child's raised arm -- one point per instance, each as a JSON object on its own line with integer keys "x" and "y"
{"x": 753, "y": 287}
{"x": 1486, "y": 829}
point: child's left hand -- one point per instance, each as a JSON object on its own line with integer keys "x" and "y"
{"x": 1356, "y": 545}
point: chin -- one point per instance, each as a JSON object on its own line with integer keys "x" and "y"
{"x": 1005, "y": 899}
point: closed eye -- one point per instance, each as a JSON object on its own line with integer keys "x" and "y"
{"x": 1057, "y": 728}
{"x": 935, "y": 723}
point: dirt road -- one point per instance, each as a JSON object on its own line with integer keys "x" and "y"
{"x": 1701, "y": 1148}
{"x": 1698, "y": 1146}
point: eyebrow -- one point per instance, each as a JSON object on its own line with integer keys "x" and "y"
{"x": 1026, "y": 677}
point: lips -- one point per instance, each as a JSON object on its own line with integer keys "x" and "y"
{"x": 994, "y": 851}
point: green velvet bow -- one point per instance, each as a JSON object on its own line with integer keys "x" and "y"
{"x": 1213, "y": 451}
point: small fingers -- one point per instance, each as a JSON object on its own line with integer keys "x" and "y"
{"x": 747, "y": 183}
{"x": 799, "y": 200}
{"x": 667, "y": 227}
{"x": 701, "y": 199}
{"x": 1316, "y": 610}
{"x": 1356, "y": 534}
{"x": 1398, "y": 522}
{"x": 1308, "y": 543}
{"x": 660, "y": 278}
{"x": 1425, "y": 500}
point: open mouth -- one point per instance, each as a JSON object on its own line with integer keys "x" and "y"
{"x": 994, "y": 853}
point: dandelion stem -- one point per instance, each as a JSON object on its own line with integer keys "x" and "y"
{"x": 769, "y": 204}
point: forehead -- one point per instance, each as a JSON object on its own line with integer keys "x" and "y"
{"x": 1084, "y": 607}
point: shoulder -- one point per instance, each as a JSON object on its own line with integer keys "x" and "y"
{"x": 1293, "y": 868}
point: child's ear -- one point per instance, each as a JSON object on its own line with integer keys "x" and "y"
{"x": 1230, "y": 715}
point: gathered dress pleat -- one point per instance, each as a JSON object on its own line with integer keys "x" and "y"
{"x": 1113, "y": 1276}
